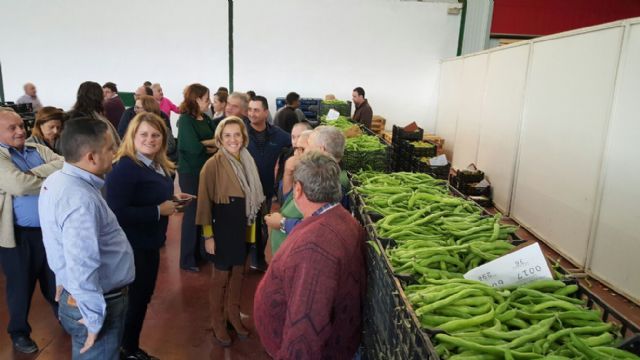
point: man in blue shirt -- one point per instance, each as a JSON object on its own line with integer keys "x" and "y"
{"x": 266, "y": 143}
{"x": 23, "y": 167}
{"x": 86, "y": 248}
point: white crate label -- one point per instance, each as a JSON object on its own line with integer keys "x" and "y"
{"x": 517, "y": 268}
{"x": 332, "y": 114}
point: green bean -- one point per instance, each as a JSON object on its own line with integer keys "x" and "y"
{"x": 554, "y": 304}
{"x": 583, "y": 348}
{"x": 444, "y": 302}
{"x": 456, "y": 325}
{"x": 615, "y": 353}
{"x": 580, "y": 330}
{"x": 494, "y": 350}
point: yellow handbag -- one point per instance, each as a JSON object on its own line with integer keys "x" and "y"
{"x": 251, "y": 233}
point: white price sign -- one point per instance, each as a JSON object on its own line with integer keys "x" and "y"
{"x": 517, "y": 268}
{"x": 332, "y": 114}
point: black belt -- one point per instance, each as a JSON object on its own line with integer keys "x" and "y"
{"x": 26, "y": 229}
{"x": 116, "y": 293}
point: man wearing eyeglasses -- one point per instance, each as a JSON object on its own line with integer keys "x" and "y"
{"x": 131, "y": 112}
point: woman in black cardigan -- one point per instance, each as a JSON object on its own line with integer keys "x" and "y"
{"x": 140, "y": 193}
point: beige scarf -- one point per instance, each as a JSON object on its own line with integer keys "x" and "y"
{"x": 247, "y": 174}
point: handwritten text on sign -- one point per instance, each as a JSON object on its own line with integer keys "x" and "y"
{"x": 517, "y": 268}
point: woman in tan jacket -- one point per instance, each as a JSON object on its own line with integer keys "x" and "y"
{"x": 229, "y": 198}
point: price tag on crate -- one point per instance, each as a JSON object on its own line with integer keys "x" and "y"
{"x": 517, "y": 268}
{"x": 332, "y": 114}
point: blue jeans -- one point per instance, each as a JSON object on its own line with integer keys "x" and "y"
{"x": 107, "y": 345}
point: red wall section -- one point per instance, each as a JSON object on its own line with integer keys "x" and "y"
{"x": 544, "y": 17}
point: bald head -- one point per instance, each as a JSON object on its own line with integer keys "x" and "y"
{"x": 12, "y": 131}
{"x": 29, "y": 89}
{"x": 141, "y": 91}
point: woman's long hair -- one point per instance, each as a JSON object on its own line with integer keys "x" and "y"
{"x": 128, "y": 148}
{"x": 89, "y": 99}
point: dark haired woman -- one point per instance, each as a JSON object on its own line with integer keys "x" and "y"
{"x": 89, "y": 103}
{"x": 195, "y": 146}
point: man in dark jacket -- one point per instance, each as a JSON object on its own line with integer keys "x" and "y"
{"x": 363, "y": 113}
{"x": 287, "y": 116}
{"x": 265, "y": 145}
{"x": 130, "y": 113}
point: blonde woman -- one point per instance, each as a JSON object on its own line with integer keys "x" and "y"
{"x": 229, "y": 198}
{"x": 140, "y": 193}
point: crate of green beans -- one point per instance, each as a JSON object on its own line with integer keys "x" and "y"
{"x": 437, "y": 237}
{"x": 343, "y": 107}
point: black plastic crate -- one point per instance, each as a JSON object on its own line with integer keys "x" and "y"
{"x": 466, "y": 177}
{"x": 437, "y": 171}
{"x": 628, "y": 329}
{"x": 389, "y": 330}
{"x": 344, "y": 108}
{"x": 398, "y": 134}
{"x": 473, "y": 190}
{"x": 418, "y": 151}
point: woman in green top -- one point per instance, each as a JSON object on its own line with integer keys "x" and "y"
{"x": 276, "y": 221}
{"x": 195, "y": 146}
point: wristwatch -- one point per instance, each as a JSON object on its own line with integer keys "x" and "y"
{"x": 282, "y": 225}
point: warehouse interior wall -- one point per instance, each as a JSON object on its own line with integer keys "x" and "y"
{"x": 561, "y": 143}
{"x": 58, "y": 44}
{"x": 391, "y": 48}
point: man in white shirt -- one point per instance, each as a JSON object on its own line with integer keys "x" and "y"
{"x": 30, "y": 97}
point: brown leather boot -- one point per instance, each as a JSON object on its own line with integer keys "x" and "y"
{"x": 233, "y": 301}
{"x": 219, "y": 281}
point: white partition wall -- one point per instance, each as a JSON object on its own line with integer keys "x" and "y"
{"x": 500, "y": 119}
{"x": 471, "y": 98}
{"x": 616, "y": 245}
{"x": 566, "y": 112}
{"x": 449, "y": 96}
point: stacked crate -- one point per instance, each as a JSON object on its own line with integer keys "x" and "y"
{"x": 401, "y": 156}
{"x": 309, "y": 106}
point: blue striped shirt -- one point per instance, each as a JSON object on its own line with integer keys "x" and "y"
{"x": 86, "y": 248}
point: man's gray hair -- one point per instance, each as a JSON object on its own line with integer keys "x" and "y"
{"x": 240, "y": 96}
{"x": 305, "y": 134}
{"x": 332, "y": 139}
{"x": 319, "y": 175}
{"x": 304, "y": 124}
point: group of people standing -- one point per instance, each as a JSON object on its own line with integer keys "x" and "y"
{"x": 98, "y": 218}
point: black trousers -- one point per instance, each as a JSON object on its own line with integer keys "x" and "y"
{"x": 140, "y": 292}
{"x": 189, "y": 242}
{"x": 23, "y": 266}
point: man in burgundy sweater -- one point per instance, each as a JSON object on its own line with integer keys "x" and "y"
{"x": 113, "y": 105}
{"x": 309, "y": 303}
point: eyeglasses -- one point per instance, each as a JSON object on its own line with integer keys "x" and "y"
{"x": 136, "y": 108}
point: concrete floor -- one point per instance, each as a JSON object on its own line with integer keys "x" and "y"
{"x": 177, "y": 323}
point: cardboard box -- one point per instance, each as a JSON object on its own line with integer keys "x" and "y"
{"x": 387, "y": 135}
